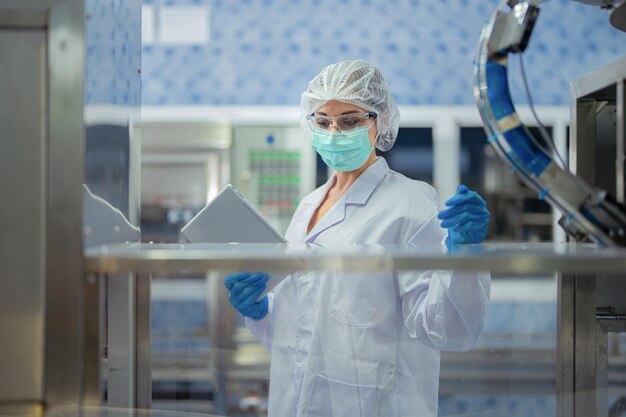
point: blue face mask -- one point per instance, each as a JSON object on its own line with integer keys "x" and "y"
{"x": 343, "y": 151}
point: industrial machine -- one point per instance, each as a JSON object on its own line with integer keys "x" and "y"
{"x": 590, "y": 196}
{"x": 184, "y": 164}
{"x": 617, "y": 10}
{"x": 273, "y": 167}
{"x": 42, "y": 290}
{"x": 589, "y": 213}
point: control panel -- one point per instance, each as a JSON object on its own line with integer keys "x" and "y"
{"x": 274, "y": 169}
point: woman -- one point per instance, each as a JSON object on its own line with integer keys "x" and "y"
{"x": 364, "y": 344}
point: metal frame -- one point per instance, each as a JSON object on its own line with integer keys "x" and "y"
{"x": 143, "y": 350}
{"x": 582, "y": 362}
{"x": 565, "y": 344}
{"x": 582, "y": 351}
{"x": 517, "y": 258}
{"x": 620, "y": 159}
{"x": 22, "y": 241}
{"x": 120, "y": 305}
{"x": 63, "y": 352}
{"x": 64, "y": 366}
{"x": 120, "y": 340}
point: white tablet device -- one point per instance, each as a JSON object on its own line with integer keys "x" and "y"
{"x": 229, "y": 218}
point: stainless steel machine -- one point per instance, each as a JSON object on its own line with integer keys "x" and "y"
{"x": 589, "y": 193}
{"x": 56, "y": 136}
{"x": 184, "y": 164}
{"x": 592, "y": 305}
{"x": 274, "y": 168}
{"x": 617, "y": 11}
{"x": 42, "y": 292}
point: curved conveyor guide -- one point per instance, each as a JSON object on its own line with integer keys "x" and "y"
{"x": 586, "y": 212}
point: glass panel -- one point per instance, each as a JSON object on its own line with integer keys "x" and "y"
{"x": 517, "y": 213}
{"x": 112, "y": 102}
{"x": 347, "y": 326}
{"x": 94, "y": 411}
{"x": 214, "y": 75}
{"x": 511, "y": 370}
{"x": 204, "y": 359}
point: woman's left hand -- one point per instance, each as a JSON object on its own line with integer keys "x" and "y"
{"x": 466, "y": 217}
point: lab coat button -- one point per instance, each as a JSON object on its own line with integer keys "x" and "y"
{"x": 300, "y": 356}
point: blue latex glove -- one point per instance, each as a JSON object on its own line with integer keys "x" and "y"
{"x": 466, "y": 217}
{"x": 245, "y": 289}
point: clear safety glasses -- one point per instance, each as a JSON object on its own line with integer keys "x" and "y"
{"x": 342, "y": 123}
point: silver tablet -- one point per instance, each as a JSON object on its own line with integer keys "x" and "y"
{"x": 229, "y": 218}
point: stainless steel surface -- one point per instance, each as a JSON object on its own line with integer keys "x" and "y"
{"x": 620, "y": 149}
{"x": 496, "y": 257}
{"x": 45, "y": 132}
{"x": 591, "y": 304}
{"x": 65, "y": 287}
{"x": 597, "y": 139}
{"x": 11, "y": 18}
{"x": 600, "y": 3}
{"x": 618, "y": 15}
{"x": 597, "y": 127}
{"x": 95, "y": 332}
{"x": 22, "y": 215}
{"x": 596, "y": 155}
{"x": 612, "y": 323}
{"x": 157, "y": 137}
{"x": 583, "y": 125}
{"x": 121, "y": 341}
{"x": 565, "y": 344}
{"x": 605, "y": 146}
{"x": 511, "y": 31}
{"x": 143, "y": 350}
{"x": 610, "y": 295}
{"x": 590, "y": 352}
{"x": 134, "y": 174}
{"x": 598, "y": 80}
{"x": 91, "y": 411}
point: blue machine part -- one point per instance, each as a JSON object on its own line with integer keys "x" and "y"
{"x": 522, "y": 145}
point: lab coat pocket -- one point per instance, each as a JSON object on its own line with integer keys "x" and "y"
{"x": 336, "y": 399}
{"x": 356, "y": 299}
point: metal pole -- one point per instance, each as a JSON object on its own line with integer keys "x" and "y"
{"x": 143, "y": 352}
{"x": 565, "y": 344}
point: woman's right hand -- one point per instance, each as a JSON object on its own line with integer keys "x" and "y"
{"x": 245, "y": 289}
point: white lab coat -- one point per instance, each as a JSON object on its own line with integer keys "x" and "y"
{"x": 361, "y": 345}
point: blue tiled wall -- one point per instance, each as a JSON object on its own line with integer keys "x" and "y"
{"x": 265, "y": 51}
{"x": 113, "y": 47}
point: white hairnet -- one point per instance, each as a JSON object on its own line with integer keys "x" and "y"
{"x": 358, "y": 83}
